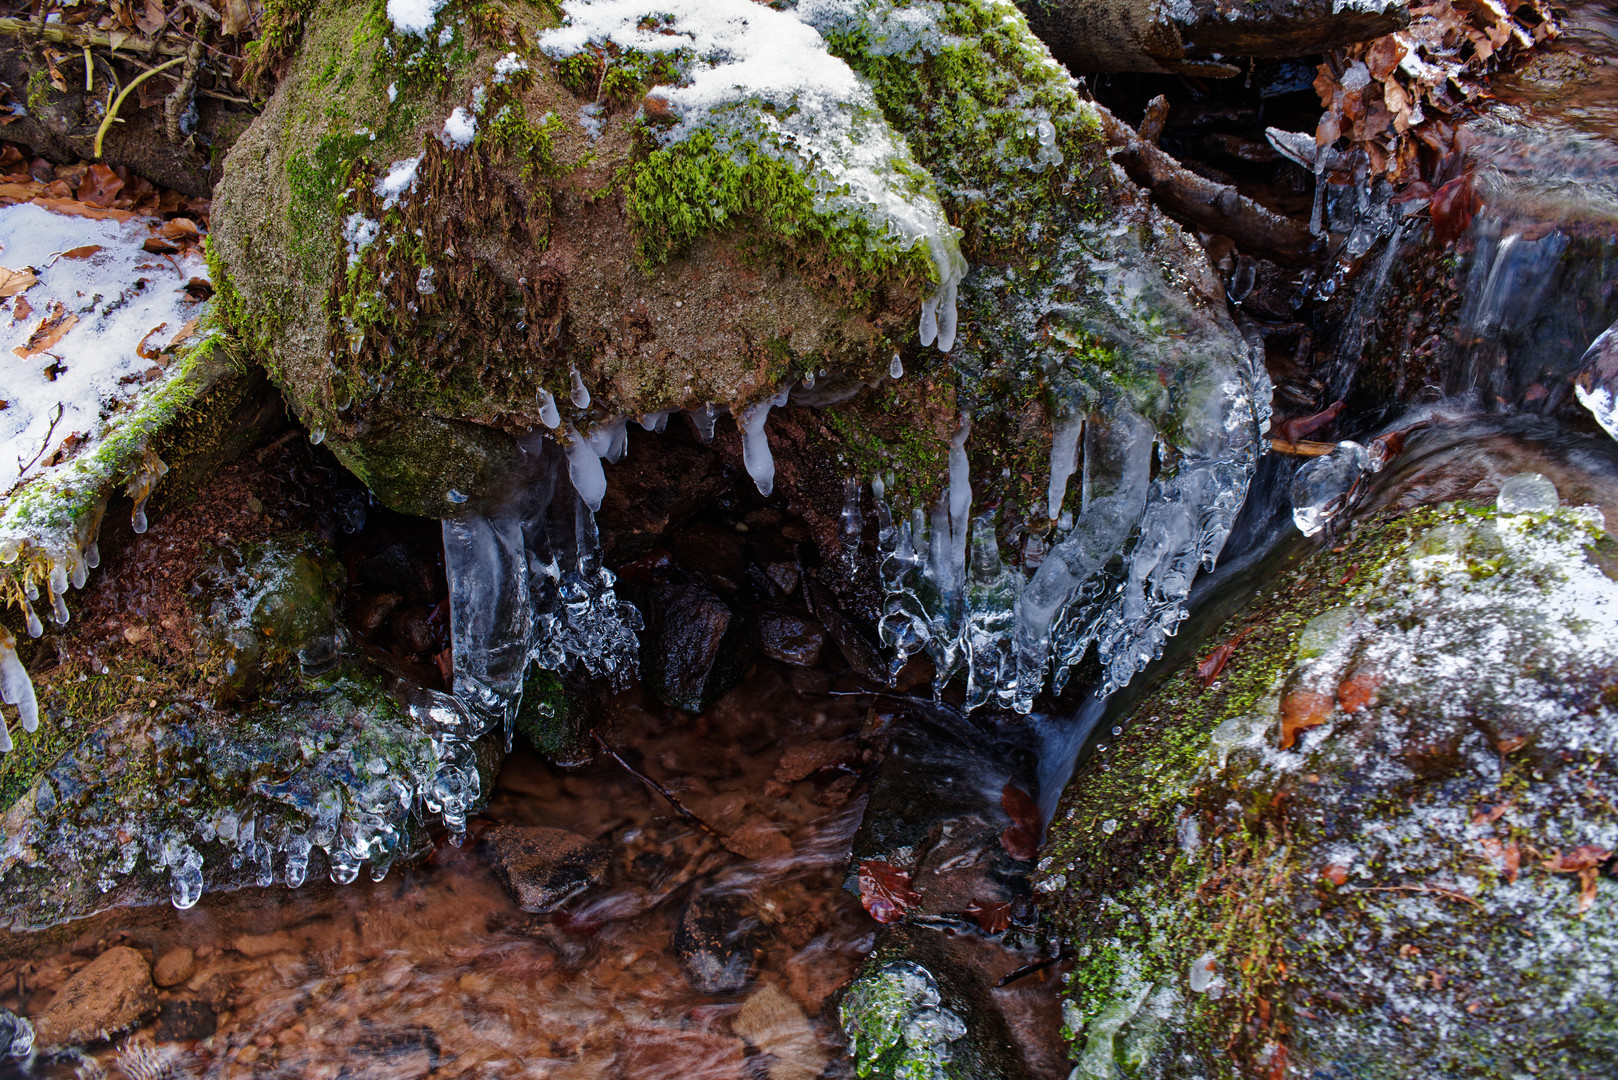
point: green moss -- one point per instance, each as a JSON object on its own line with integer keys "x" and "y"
{"x": 680, "y": 193}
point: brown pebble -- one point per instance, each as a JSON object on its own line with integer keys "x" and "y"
{"x": 174, "y": 967}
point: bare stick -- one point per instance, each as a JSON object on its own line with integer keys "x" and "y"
{"x": 112, "y": 113}
{"x": 669, "y": 796}
{"x": 48, "y": 432}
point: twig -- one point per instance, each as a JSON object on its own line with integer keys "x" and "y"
{"x": 1302, "y": 449}
{"x": 176, "y": 103}
{"x": 1027, "y": 969}
{"x": 1448, "y": 894}
{"x": 673, "y": 800}
{"x": 112, "y": 113}
{"x": 57, "y": 419}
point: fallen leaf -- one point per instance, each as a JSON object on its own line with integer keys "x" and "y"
{"x": 100, "y": 186}
{"x": 993, "y": 918}
{"x": 82, "y": 252}
{"x": 77, "y": 208}
{"x": 1300, "y": 426}
{"x": 1510, "y": 744}
{"x": 1215, "y": 662}
{"x": 1021, "y": 807}
{"x": 1452, "y": 208}
{"x": 56, "y": 323}
{"x": 13, "y": 282}
{"x": 1020, "y": 843}
{"x": 1584, "y": 861}
{"x": 1481, "y": 816}
{"x": 199, "y": 289}
{"x": 238, "y": 16}
{"x": 21, "y": 310}
{"x": 179, "y": 229}
{"x": 146, "y": 352}
{"x": 885, "y": 891}
{"x": 1301, "y": 710}
{"x": 1358, "y": 690}
{"x": 156, "y": 245}
{"x": 1336, "y": 873}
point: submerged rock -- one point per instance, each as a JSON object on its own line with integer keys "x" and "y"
{"x": 545, "y": 868}
{"x": 1382, "y": 804}
{"x": 111, "y": 994}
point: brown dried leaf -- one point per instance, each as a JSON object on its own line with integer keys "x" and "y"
{"x": 84, "y": 251}
{"x": 148, "y": 352}
{"x": 100, "y": 186}
{"x": 56, "y": 323}
{"x": 1301, "y": 710}
{"x": 20, "y": 310}
{"x": 992, "y": 917}
{"x": 1358, "y": 690}
{"x": 1020, "y": 843}
{"x": 1215, "y": 661}
{"x": 1021, "y": 807}
{"x": 238, "y": 16}
{"x": 179, "y": 229}
{"x": 13, "y": 282}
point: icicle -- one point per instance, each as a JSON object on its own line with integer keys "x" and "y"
{"x": 756, "y": 445}
{"x": 16, "y": 688}
{"x": 655, "y": 421}
{"x": 704, "y": 419}
{"x": 584, "y": 469}
{"x": 896, "y": 367}
{"x": 610, "y": 440}
{"x": 489, "y": 609}
{"x": 549, "y": 415}
{"x": 1064, "y": 459}
{"x": 35, "y": 627}
{"x": 581, "y": 393}
{"x": 141, "y": 486}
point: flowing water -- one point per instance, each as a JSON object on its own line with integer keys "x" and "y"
{"x": 436, "y": 970}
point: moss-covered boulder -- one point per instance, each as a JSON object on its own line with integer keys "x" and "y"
{"x": 1368, "y": 831}
{"x": 239, "y": 744}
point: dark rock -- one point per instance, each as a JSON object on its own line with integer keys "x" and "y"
{"x": 183, "y": 1019}
{"x": 783, "y": 575}
{"x": 396, "y": 569}
{"x": 695, "y": 647}
{"x": 855, "y": 640}
{"x": 112, "y": 993}
{"x": 544, "y": 868}
{"x": 556, "y": 715}
{"x": 659, "y": 486}
{"x": 790, "y": 639}
{"x": 921, "y": 1006}
{"x": 371, "y": 611}
{"x": 414, "y": 632}
{"x": 717, "y": 555}
{"x": 935, "y": 810}
{"x": 718, "y": 940}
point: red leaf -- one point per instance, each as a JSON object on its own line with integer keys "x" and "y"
{"x": 1022, "y": 808}
{"x": 1210, "y": 668}
{"x": 1300, "y": 426}
{"x": 100, "y": 186}
{"x": 1452, "y": 209}
{"x": 1300, "y": 711}
{"x": 1020, "y": 843}
{"x": 993, "y": 918}
{"x": 885, "y": 891}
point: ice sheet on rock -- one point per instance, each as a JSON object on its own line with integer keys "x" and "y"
{"x": 756, "y": 76}
{"x": 108, "y": 303}
{"x": 1596, "y": 382}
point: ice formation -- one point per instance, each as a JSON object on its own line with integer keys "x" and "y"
{"x": 755, "y": 76}
{"x": 414, "y": 16}
{"x": 1596, "y": 382}
{"x": 756, "y": 456}
{"x": 527, "y": 584}
{"x": 1323, "y": 486}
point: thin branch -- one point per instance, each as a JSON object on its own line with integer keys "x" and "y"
{"x": 112, "y": 113}
{"x": 1300, "y": 448}
{"x": 1433, "y": 890}
{"x": 57, "y": 419}
{"x": 669, "y": 796}
{"x": 1027, "y": 969}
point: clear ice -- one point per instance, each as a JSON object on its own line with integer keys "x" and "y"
{"x": 1322, "y": 486}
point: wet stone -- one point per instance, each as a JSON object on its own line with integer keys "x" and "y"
{"x": 790, "y": 639}
{"x": 694, "y": 648}
{"x": 717, "y": 940}
{"x": 111, "y": 994}
{"x": 184, "y": 1019}
{"x": 544, "y": 868}
{"x": 174, "y": 967}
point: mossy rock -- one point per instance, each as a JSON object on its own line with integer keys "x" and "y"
{"x": 270, "y": 756}
{"x": 1376, "y": 842}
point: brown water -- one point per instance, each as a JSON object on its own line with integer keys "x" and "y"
{"x": 436, "y": 971}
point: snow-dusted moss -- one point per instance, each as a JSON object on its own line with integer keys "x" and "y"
{"x": 1388, "y": 814}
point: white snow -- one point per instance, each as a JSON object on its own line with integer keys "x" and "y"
{"x": 459, "y": 130}
{"x": 508, "y": 67}
{"x": 120, "y": 297}
{"x": 414, "y": 16}
{"x": 757, "y": 76}
{"x": 400, "y": 178}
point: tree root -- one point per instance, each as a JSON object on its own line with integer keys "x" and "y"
{"x": 1202, "y": 202}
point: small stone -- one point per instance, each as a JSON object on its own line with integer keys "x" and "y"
{"x": 255, "y": 946}
{"x": 757, "y": 838}
{"x": 174, "y": 967}
{"x": 185, "y": 1019}
{"x": 112, "y": 993}
{"x": 136, "y": 634}
{"x": 791, "y": 640}
{"x": 544, "y": 868}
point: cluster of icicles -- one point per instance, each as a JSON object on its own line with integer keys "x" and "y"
{"x": 71, "y": 558}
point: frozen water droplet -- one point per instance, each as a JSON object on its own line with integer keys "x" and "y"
{"x": 454, "y": 496}
{"x": 1202, "y": 973}
{"x": 581, "y": 393}
{"x": 549, "y": 415}
{"x": 1109, "y": 826}
{"x": 1527, "y": 493}
{"x": 1322, "y": 486}
{"x": 317, "y": 435}
{"x": 896, "y": 367}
